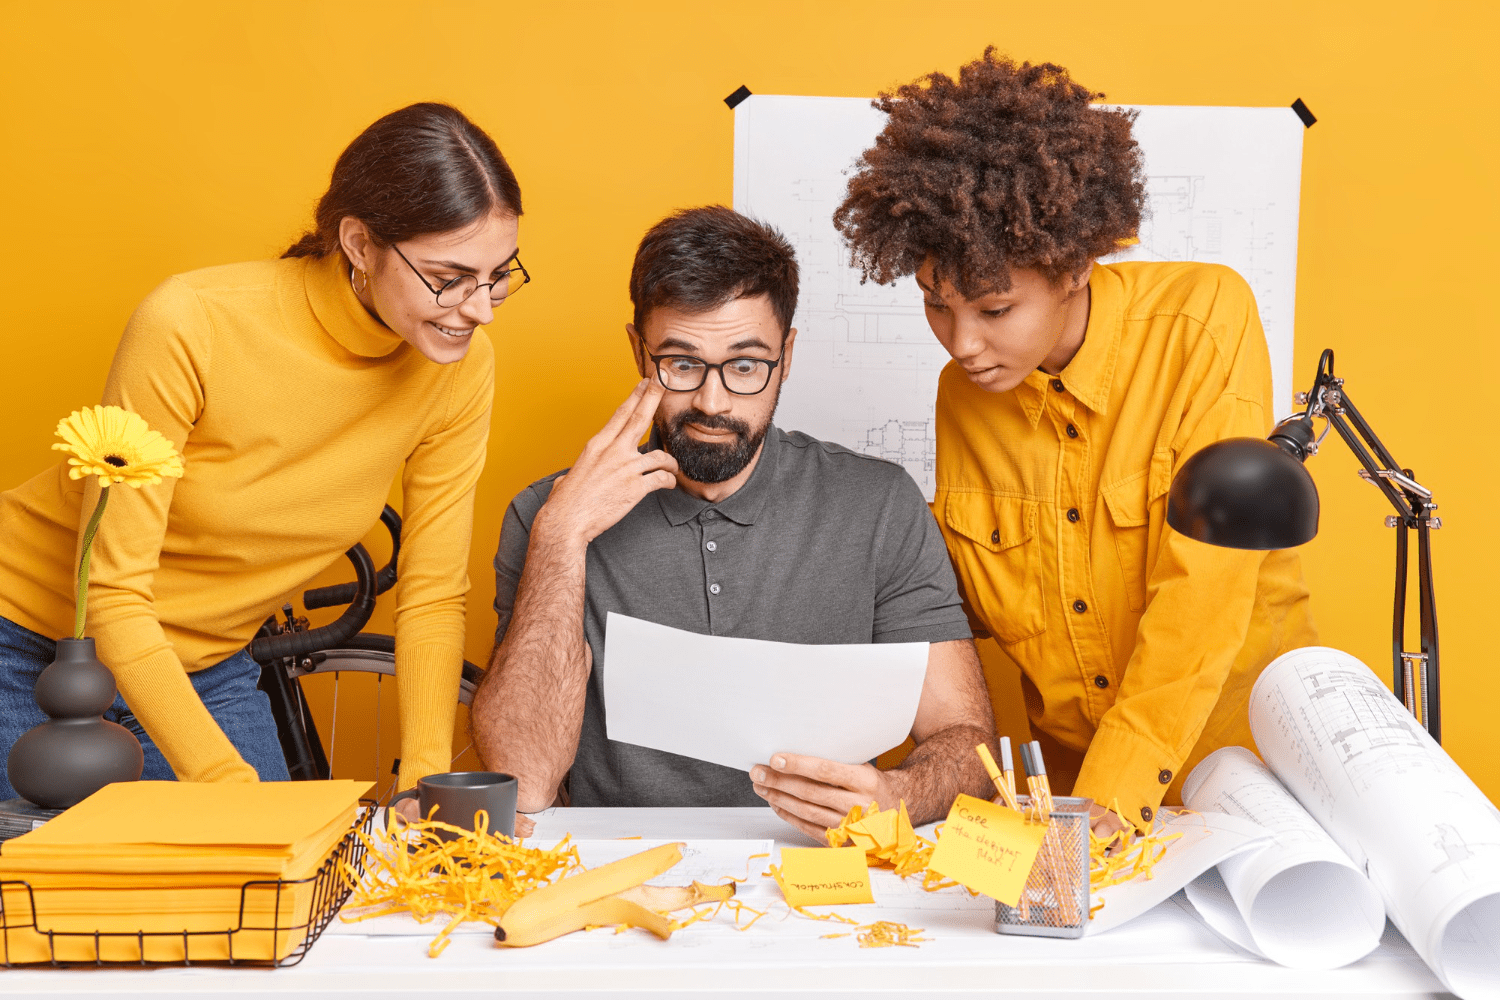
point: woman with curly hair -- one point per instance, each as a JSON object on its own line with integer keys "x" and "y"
{"x": 1077, "y": 389}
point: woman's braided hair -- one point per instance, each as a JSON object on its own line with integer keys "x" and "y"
{"x": 1010, "y": 166}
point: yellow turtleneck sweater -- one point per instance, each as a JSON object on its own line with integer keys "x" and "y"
{"x": 294, "y": 410}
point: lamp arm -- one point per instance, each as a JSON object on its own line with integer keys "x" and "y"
{"x": 1416, "y": 674}
{"x": 1383, "y": 472}
{"x": 1329, "y": 400}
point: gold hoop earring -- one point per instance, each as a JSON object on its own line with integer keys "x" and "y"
{"x": 364, "y": 280}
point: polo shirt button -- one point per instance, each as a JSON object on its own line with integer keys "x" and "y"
{"x": 713, "y": 588}
{"x": 1072, "y": 431}
{"x": 1146, "y": 813}
{"x": 711, "y": 546}
{"x": 1164, "y": 776}
{"x": 1101, "y": 681}
{"x": 1073, "y": 515}
{"x": 1057, "y": 385}
{"x": 1080, "y": 607}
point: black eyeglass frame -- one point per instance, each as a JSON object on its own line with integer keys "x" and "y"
{"x": 771, "y": 365}
{"x": 437, "y": 293}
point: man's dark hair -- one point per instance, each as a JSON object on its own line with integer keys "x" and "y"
{"x": 701, "y": 258}
{"x": 1009, "y": 166}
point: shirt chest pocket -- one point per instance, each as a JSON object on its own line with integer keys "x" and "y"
{"x": 995, "y": 550}
{"x": 1135, "y": 536}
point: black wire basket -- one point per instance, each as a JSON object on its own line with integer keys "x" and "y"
{"x": 278, "y": 922}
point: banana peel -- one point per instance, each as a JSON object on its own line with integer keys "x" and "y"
{"x": 610, "y": 894}
{"x": 665, "y": 898}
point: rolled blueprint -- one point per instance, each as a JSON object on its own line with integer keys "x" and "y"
{"x": 1397, "y": 804}
{"x": 1298, "y": 901}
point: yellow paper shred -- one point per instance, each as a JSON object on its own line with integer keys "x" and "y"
{"x": 887, "y": 934}
{"x": 475, "y": 876}
{"x": 1124, "y": 856}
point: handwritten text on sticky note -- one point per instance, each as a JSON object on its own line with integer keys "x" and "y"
{"x": 821, "y": 876}
{"x": 988, "y": 848}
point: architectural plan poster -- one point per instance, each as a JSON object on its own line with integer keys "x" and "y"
{"x": 1222, "y": 187}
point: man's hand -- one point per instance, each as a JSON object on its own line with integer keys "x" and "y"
{"x": 611, "y": 475}
{"x": 814, "y": 794}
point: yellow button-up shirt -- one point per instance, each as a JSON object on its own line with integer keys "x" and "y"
{"x": 1137, "y": 646}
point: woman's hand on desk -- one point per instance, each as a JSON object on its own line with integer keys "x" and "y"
{"x": 815, "y": 795}
{"x": 1104, "y": 823}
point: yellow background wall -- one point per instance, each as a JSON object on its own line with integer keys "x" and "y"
{"x": 144, "y": 139}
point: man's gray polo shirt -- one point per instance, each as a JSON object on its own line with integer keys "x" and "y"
{"x": 821, "y": 545}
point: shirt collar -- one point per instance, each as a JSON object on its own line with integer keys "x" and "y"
{"x": 341, "y": 313}
{"x": 742, "y": 506}
{"x": 1090, "y": 375}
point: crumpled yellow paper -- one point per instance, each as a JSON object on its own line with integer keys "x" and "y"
{"x": 889, "y": 841}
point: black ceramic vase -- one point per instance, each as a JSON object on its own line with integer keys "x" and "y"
{"x": 70, "y": 757}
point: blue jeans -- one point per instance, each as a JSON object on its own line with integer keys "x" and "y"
{"x": 227, "y": 688}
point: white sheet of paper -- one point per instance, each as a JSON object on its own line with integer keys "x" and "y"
{"x": 738, "y": 701}
{"x": 1222, "y": 186}
{"x": 1207, "y": 839}
{"x": 1299, "y": 900}
{"x": 1396, "y": 803}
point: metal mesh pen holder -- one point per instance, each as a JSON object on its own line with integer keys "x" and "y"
{"x": 1055, "y": 900}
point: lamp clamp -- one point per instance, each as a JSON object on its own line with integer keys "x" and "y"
{"x": 1434, "y": 523}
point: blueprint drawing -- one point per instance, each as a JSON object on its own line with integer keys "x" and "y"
{"x": 1223, "y": 187}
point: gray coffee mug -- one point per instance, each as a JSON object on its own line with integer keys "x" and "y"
{"x": 460, "y": 794}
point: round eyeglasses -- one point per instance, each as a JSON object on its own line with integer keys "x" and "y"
{"x": 460, "y": 288}
{"x": 741, "y": 376}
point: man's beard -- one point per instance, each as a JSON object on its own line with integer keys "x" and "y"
{"x": 706, "y": 461}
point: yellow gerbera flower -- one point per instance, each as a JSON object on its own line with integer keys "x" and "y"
{"x": 117, "y": 446}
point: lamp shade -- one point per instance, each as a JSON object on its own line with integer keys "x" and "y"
{"x": 1244, "y": 493}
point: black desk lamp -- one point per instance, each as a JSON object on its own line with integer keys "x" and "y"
{"x": 1245, "y": 493}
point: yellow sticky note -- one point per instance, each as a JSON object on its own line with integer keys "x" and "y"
{"x": 988, "y": 848}
{"x": 821, "y": 876}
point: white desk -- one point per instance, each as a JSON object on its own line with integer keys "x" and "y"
{"x": 1166, "y": 952}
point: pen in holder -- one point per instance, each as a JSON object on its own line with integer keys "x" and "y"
{"x": 1055, "y": 900}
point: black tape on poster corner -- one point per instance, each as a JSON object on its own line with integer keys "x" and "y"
{"x": 734, "y": 99}
{"x": 1308, "y": 118}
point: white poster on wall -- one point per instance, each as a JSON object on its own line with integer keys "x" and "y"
{"x": 1222, "y": 187}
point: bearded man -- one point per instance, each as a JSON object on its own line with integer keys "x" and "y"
{"x": 723, "y": 524}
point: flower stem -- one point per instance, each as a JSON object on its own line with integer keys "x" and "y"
{"x": 83, "y": 563}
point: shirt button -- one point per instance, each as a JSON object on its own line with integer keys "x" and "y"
{"x": 711, "y": 546}
{"x": 1164, "y": 776}
{"x": 1080, "y": 607}
{"x": 1146, "y": 813}
{"x": 1072, "y": 431}
{"x": 1101, "y": 681}
{"x": 1073, "y": 514}
{"x": 995, "y": 537}
{"x": 1057, "y": 385}
{"x": 709, "y": 515}
{"x": 713, "y": 588}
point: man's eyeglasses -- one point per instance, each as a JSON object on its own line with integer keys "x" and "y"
{"x": 460, "y": 288}
{"x": 741, "y": 376}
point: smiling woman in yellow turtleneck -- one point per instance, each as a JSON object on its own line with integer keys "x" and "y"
{"x": 297, "y": 390}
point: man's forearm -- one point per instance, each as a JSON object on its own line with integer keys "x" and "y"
{"x": 941, "y": 767}
{"x": 528, "y": 710}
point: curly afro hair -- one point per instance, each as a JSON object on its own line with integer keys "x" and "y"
{"x": 1008, "y": 167}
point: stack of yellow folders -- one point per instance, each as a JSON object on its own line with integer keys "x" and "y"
{"x": 173, "y": 860}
